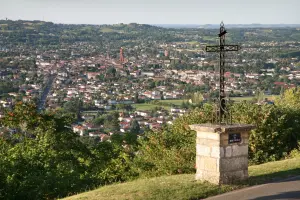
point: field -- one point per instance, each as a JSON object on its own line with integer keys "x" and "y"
{"x": 178, "y": 102}
{"x": 194, "y": 43}
{"x": 211, "y": 38}
{"x": 145, "y": 106}
{"x": 270, "y": 97}
{"x": 178, "y": 187}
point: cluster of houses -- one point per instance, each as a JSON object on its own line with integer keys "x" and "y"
{"x": 145, "y": 119}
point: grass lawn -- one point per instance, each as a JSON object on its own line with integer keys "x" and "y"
{"x": 178, "y": 187}
{"x": 146, "y": 106}
{"x": 241, "y": 98}
{"x": 178, "y": 102}
{"x": 210, "y": 38}
{"x": 270, "y": 97}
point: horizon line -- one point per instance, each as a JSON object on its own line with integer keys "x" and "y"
{"x": 154, "y": 23}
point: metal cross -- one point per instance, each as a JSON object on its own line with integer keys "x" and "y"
{"x": 222, "y": 48}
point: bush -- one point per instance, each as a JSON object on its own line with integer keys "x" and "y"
{"x": 45, "y": 160}
{"x": 295, "y": 153}
{"x": 173, "y": 150}
{"x": 276, "y": 133}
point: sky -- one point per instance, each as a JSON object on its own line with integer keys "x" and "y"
{"x": 153, "y": 11}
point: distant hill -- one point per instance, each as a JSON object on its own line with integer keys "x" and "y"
{"x": 47, "y": 33}
{"x": 41, "y": 33}
{"x": 213, "y": 26}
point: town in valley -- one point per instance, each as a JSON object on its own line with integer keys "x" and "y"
{"x": 133, "y": 77}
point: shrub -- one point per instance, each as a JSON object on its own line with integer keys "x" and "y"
{"x": 295, "y": 153}
{"x": 276, "y": 133}
{"x": 45, "y": 160}
{"x": 172, "y": 150}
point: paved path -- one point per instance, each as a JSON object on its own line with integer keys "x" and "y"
{"x": 288, "y": 189}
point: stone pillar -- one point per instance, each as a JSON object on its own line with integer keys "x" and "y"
{"x": 222, "y": 152}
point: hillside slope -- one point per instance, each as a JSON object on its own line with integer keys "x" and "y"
{"x": 185, "y": 187}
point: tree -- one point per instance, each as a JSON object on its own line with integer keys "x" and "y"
{"x": 259, "y": 95}
{"x": 185, "y": 105}
{"x": 43, "y": 144}
{"x": 112, "y": 122}
{"x": 197, "y": 98}
{"x": 99, "y": 120}
{"x": 73, "y": 106}
{"x": 151, "y": 85}
{"x": 136, "y": 97}
{"x": 101, "y": 77}
{"x": 289, "y": 99}
{"x": 111, "y": 71}
{"x": 276, "y": 129}
{"x": 135, "y": 127}
{"x": 121, "y": 106}
{"x": 43, "y": 159}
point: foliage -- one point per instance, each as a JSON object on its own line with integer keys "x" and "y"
{"x": 197, "y": 98}
{"x": 171, "y": 151}
{"x": 289, "y": 99}
{"x": 259, "y": 95}
{"x": 6, "y": 87}
{"x": 111, "y": 71}
{"x": 275, "y": 134}
{"x": 295, "y": 153}
{"x": 111, "y": 121}
{"x": 73, "y": 106}
{"x": 42, "y": 159}
{"x": 134, "y": 127}
{"x": 99, "y": 120}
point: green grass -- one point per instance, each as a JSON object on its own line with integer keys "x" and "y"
{"x": 270, "y": 97}
{"x": 271, "y": 171}
{"x": 178, "y": 102}
{"x": 165, "y": 187}
{"x": 210, "y": 38}
{"x": 194, "y": 42}
{"x": 146, "y": 106}
{"x": 178, "y": 187}
{"x": 242, "y": 98}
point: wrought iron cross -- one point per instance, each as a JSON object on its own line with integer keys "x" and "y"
{"x": 222, "y": 48}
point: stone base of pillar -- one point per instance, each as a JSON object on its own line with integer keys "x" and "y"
{"x": 222, "y": 152}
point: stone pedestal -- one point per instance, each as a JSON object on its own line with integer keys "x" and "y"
{"x": 222, "y": 152}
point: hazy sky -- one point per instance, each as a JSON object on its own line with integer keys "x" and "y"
{"x": 153, "y": 11}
